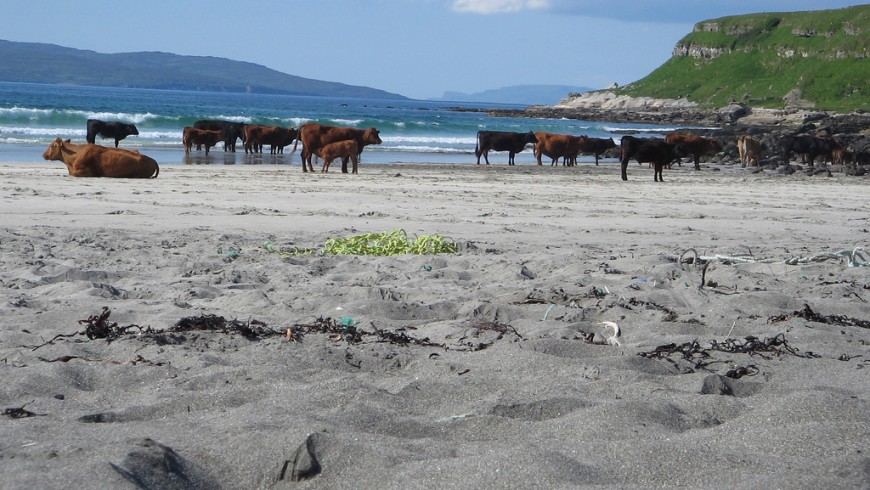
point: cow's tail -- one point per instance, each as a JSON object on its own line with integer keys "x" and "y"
{"x": 156, "y": 171}
{"x": 477, "y": 147}
{"x": 296, "y": 141}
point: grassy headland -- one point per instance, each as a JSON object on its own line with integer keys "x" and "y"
{"x": 815, "y": 60}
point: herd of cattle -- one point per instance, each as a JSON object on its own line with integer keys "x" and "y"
{"x": 332, "y": 142}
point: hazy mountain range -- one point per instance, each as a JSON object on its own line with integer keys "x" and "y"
{"x": 517, "y": 94}
{"x": 27, "y": 62}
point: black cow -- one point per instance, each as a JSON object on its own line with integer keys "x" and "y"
{"x": 232, "y": 131}
{"x": 649, "y": 150}
{"x": 115, "y": 130}
{"x": 502, "y": 141}
{"x": 811, "y": 146}
{"x": 593, "y": 146}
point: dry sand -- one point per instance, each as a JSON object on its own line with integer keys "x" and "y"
{"x": 546, "y": 255}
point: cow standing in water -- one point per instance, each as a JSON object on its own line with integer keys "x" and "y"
{"x": 315, "y": 136}
{"x": 512, "y": 143}
{"x": 113, "y": 130}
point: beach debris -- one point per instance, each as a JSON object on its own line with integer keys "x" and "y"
{"x": 854, "y": 258}
{"x": 304, "y": 464}
{"x": 693, "y": 351}
{"x": 21, "y": 412}
{"x": 395, "y": 242}
{"x": 99, "y": 327}
{"x": 612, "y": 339}
{"x": 809, "y": 315}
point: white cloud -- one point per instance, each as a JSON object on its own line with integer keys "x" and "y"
{"x": 497, "y": 6}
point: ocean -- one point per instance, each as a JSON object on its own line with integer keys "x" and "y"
{"x": 413, "y": 131}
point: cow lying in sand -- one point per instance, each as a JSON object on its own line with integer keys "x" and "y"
{"x": 98, "y": 161}
{"x": 340, "y": 149}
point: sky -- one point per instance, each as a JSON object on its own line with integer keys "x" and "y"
{"x": 416, "y": 48}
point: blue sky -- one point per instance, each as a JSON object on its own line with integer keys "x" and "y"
{"x": 417, "y": 48}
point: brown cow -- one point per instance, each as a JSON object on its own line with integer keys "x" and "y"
{"x": 315, "y": 136}
{"x": 749, "y": 150}
{"x": 694, "y": 145}
{"x": 556, "y": 146}
{"x": 206, "y": 137}
{"x": 275, "y": 136}
{"x": 90, "y": 160}
{"x": 340, "y": 149}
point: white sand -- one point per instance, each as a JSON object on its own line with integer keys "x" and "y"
{"x": 548, "y": 251}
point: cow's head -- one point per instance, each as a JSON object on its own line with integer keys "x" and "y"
{"x": 715, "y": 146}
{"x": 531, "y": 138}
{"x": 54, "y": 150}
{"x": 130, "y": 129}
{"x": 372, "y": 137}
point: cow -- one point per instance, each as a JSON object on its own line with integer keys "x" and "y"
{"x": 340, "y": 149}
{"x": 206, "y": 137}
{"x": 749, "y": 150}
{"x": 652, "y": 150}
{"x": 592, "y": 146}
{"x": 811, "y": 146}
{"x": 232, "y": 131}
{"x": 111, "y": 129}
{"x": 556, "y": 146}
{"x": 502, "y": 141}
{"x": 315, "y": 136}
{"x": 275, "y": 136}
{"x": 694, "y": 145}
{"x": 90, "y": 160}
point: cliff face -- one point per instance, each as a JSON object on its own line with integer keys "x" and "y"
{"x": 776, "y": 60}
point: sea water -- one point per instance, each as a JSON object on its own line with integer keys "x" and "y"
{"x": 413, "y": 131}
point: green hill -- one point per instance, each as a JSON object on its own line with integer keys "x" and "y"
{"x": 51, "y": 64}
{"x": 804, "y": 59}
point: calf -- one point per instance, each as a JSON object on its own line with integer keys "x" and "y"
{"x": 512, "y": 143}
{"x": 749, "y": 150}
{"x": 694, "y": 145}
{"x": 655, "y": 151}
{"x": 232, "y": 131}
{"x": 208, "y": 138}
{"x": 113, "y": 130}
{"x": 315, "y": 136}
{"x": 340, "y": 149}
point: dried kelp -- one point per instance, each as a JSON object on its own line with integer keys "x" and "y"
{"x": 21, "y": 412}
{"x": 701, "y": 357}
{"x": 99, "y": 327}
{"x": 809, "y": 315}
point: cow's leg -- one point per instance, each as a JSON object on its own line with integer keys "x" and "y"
{"x": 486, "y": 157}
{"x": 624, "y": 165}
{"x": 116, "y": 142}
{"x": 697, "y": 162}
{"x": 344, "y": 165}
{"x": 657, "y": 173}
{"x": 355, "y": 160}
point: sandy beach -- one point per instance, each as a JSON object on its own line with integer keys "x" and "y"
{"x": 742, "y": 360}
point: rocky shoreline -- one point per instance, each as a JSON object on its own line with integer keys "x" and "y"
{"x": 769, "y": 126}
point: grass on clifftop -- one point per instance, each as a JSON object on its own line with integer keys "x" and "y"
{"x": 765, "y": 56}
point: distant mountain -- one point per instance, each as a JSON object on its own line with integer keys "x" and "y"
{"x": 52, "y": 64}
{"x": 517, "y": 94}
